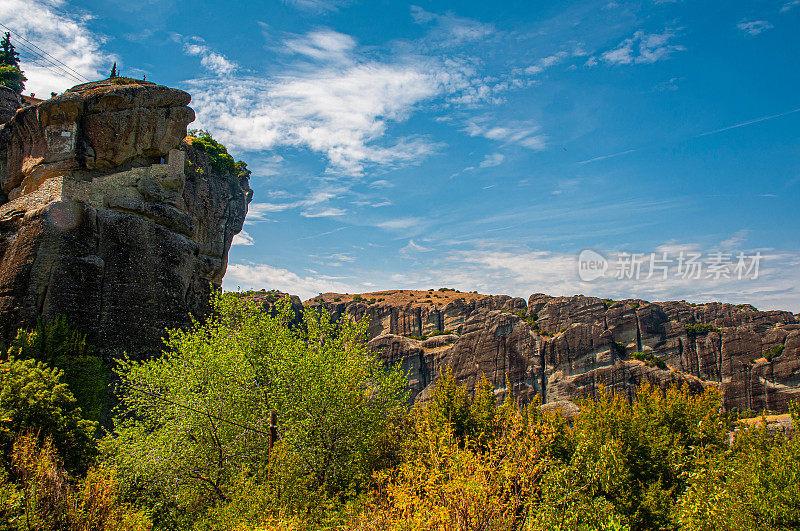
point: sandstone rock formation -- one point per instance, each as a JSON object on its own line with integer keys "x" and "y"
{"x": 566, "y": 347}
{"x": 9, "y": 103}
{"x": 108, "y": 217}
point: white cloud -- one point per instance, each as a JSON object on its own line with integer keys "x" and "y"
{"x": 318, "y": 6}
{"x": 315, "y": 204}
{"x": 243, "y": 238}
{"x": 412, "y": 248}
{"x": 788, "y": 6}
{"x": 323, "y": 212}
{"x": 399, "y": 223}
{"x": 257, "y": 212}
{"x": 257, "y": 276}
{"x": 525, "y": 134}
{"x": 736, "y": 240}
{"x": 450, "y": 29}
{"x": 546, "y": 62}
{"x": 322, "y": 45}
{"x": 754, "y": 27}
{"x": 492, "y": 159}
{"x": 342, "y": 112}
{"x": 66, "y": 38}
{"x": 212, "y": 61}
{"x": 610, "y": 156}
{"x": 642, "y": 48}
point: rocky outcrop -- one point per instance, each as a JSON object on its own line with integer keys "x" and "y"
{"x": 267, "y": 301}
{"x": 566, "y": 347}
{"x": 9, "y": 103}
{"x": 108, "y": 217}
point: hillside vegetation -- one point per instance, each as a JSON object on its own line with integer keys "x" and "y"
{"x": 247, "y": 422}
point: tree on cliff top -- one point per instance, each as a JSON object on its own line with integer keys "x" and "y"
{"x": 10, "y": 74}
{"x": 221, "y": 161}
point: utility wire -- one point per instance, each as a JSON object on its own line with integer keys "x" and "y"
{"x": 51, "y": 66}
{"x": 66, "y": 66}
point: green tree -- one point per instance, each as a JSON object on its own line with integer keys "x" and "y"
{"x": 195, "y": 423}
{"x": 13, "y": 78}
{"x": 34, "y": 397}
{"x": 11, "y": 75}
{"x": 8, "y": 55}
{"x": 630, "y": 461}
{"x": 57, "y": 344}
{"x": 449, "y": 406}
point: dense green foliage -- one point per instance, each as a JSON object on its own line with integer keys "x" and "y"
{"x": 55, "y": 343}
{"x": 650, "y": 359}
{"x": 192, "y": 445}
{"x": 34, "y": 397}
{"x": 194, "y": 425}
{"x": 699, "y": 329}
{"x": 221, "y": 162}
{"x": 11, "y": 75}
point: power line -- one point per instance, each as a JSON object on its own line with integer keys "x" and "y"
{"x": 58, "y": 69}
{"x": 51, "y": 66}
{"x": 66, "y": 66}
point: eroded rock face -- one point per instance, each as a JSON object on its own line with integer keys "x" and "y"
{"x": 567, "y": 347}
{"x": 9, "y": 103}
{"x": 108, "y": 217}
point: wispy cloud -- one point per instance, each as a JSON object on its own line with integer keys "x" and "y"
{"x": 788, "y": 6}
{"x": 603, "y": 157}
{"x": 66, "y": 37}
{"x": 319, "y": 6}
{"x": 243, "y": 238}
{"x": 750, "y": 122}
{"x": 642, "y": 48}
{"x": 411, "y": 249}
{"x": 340, "y": 104}
{"x": 399, "y": 223}
{"x": 754, "y": 27}
{"x": 322, "y": 45}
{"x": 450, "y": 29}
{"x": 491, "y": 160}
{"x": 522, "y": 133}
{"x": 214, "y": 62}
{"x": 250, "y": 275}
{"x": 315, "y": 204}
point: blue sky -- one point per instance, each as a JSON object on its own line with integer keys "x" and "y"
{"x": 477, "y": 145}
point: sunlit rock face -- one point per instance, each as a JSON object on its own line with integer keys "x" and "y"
{"x": 108, "y": 217}
{"x": 563, "y": 348}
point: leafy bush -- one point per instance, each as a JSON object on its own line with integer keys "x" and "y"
{"x": 220, "y": 161}
{"x": 773, "y": 353}
{"x": 34, "y": 398}
{"x": 57, "y": 344}
{"x": 13, "y": 78}
{"x": 650, "y": 359}
{"x": 50, "y": 499}
{"x": 194, "y": 425}
{"x": 700, "y": 329}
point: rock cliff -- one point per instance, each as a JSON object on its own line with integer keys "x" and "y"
{"x": 109, "y": 216}
{"x": 565, "y": 347}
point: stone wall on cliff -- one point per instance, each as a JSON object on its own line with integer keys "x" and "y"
{"x": 566, "y": 347}
{"x": 108, "y": 216}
